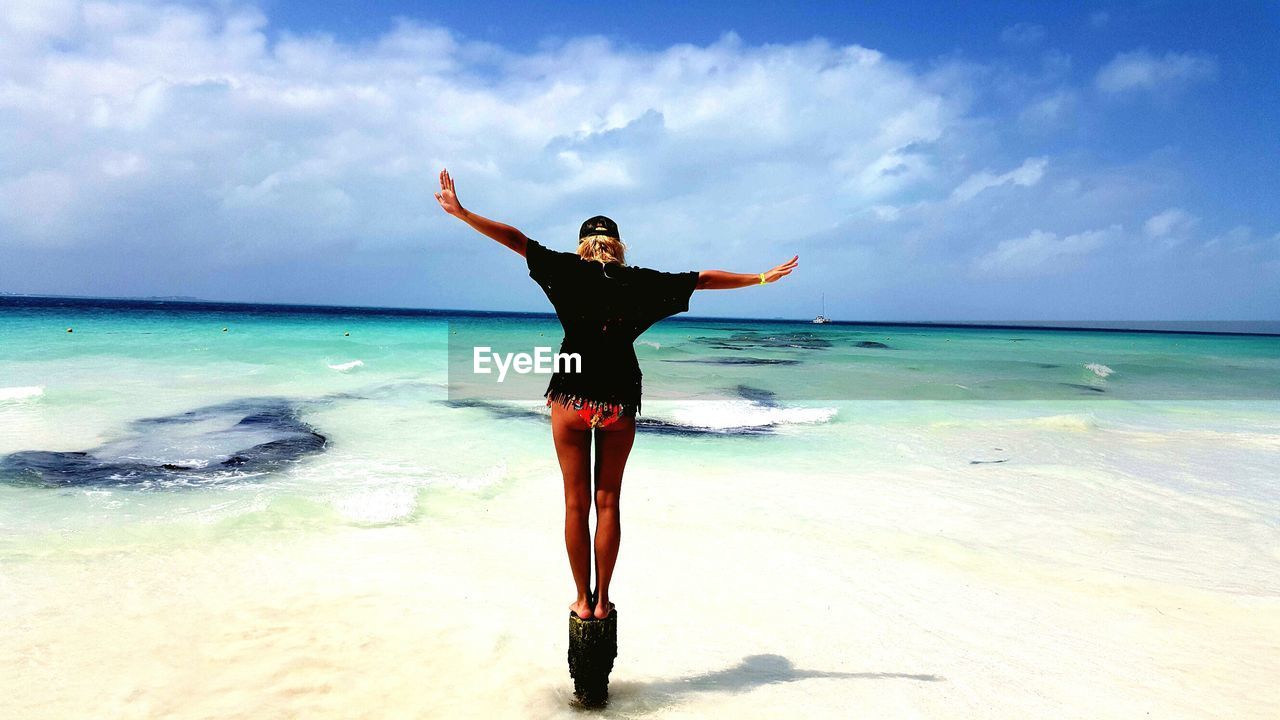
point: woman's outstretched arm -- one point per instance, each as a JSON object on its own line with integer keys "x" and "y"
{"x": 721, "y": 280}
{"x": 504, "y": 234}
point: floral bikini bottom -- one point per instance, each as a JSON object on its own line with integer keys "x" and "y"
{"x": 595, "y": 414}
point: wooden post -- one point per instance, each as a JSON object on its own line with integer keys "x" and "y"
{"x": 593, "y": 644}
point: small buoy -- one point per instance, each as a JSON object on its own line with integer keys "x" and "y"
{"x": 69, "y": 330}
{"x": 346, "y": 334}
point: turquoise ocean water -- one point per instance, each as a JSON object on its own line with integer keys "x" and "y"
{"x": 176, "y": 423}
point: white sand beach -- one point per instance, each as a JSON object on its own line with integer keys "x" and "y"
{"x": 787, "y": 594}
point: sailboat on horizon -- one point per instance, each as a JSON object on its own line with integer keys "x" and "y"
{"x": 822, "y": 318}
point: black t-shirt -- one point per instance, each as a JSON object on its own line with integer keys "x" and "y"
{"x": 603, "y": 308}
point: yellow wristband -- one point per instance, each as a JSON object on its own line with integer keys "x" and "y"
{"x": 762, "y": 281}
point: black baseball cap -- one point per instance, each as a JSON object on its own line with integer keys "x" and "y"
{"x": 599, "y": 225}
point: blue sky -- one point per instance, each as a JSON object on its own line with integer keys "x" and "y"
{"x": 928, "y": 161}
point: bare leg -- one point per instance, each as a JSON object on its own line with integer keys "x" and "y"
{"x": 573, "y": 448}
{"x": 613, "y": 445}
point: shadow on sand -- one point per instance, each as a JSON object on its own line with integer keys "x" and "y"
{"x": 754, "y": 671}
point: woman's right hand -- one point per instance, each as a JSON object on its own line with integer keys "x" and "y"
{"x": 447, "y": 197}
{"x": 782, "y": 270}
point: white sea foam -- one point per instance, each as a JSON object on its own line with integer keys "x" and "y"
{"x": 731, "y": 414}
{"x": 347, "y": 366}
{"x": 650, "y": 343}
{"x": 21, "y": 393}
{"x": 379, "y": 506}
{"x": 1099, "y": 369}
{"x": 1076, "y": 423}
{"x": 475, "y": 480}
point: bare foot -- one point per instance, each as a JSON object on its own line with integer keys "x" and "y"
{"x": 603, "y": 608}
{"x": 582, "y": 608}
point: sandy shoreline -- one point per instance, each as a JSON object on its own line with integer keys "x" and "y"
{"x": 724, "y": 610}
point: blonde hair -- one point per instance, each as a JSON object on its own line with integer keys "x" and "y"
{"x": 602, "y": 248}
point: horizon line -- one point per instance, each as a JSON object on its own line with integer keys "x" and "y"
{"x": 1060, "y": 325}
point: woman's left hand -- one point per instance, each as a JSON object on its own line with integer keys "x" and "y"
{"x": 777, "y": 273}
{"x": 447, "y": 197}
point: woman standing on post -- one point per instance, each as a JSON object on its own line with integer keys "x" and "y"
{"x": 603, "y": 305}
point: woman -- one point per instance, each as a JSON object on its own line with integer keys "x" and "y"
{"x": 603, "y": 305}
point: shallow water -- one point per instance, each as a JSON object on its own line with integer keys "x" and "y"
{"x": 311, "y": 513}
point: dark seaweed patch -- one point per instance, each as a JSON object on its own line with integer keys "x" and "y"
{"x": 257, "y": 435}
{"x": 1080, "y": 386}
{"x": 760, "y": 396}
{"x": 497, "y": 409}
{"x": 667, "y": 427}
{"x": 870, "y": 344}
{"x": 737, "y": 361}
{"x": 758, "y": 340}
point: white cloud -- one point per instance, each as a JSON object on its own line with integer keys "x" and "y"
{"x": 1025, "y": 175}
{"x": 38, "y": 205}
{"x": 1140, "y": 70}
{"x": 125, "y": 120}
{"x": 1042, "y": 253}
{"x": 1170, "y": 227}
{"x": 1239, "y": 239}
{"x": 886, "y": 213}
{"x": 1023, "y": 34}
{"x": 1048, "y": 111}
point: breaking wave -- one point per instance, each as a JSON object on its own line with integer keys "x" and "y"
{"x": 14, "y": 394}
{"x": 1099, "y": 369}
